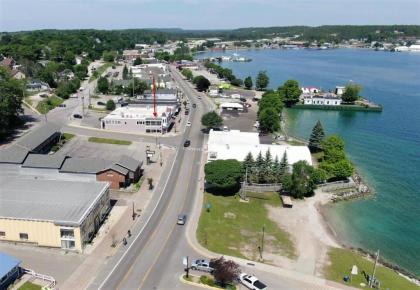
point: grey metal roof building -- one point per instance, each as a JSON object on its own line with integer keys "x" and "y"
{"x": 14, "y": 154}
{"x": 129, "y": 163}
{"x": 58, "y": 201}
{"x": 54, "y": 161}
{"x": 38, "y": 136}
{"x": 85, "y": 165}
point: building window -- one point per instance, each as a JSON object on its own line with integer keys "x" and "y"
{"x": 2, "y": 234}
{"x": 67, "y": 244}
{"x": 67, "y": 233}
{"x": 23, "y": 236}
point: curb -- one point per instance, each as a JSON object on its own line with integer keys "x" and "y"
{"x": 196, "y": 284}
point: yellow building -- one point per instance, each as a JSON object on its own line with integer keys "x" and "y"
{"x": 51, "y": 213}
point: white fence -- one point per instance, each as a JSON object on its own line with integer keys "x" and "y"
{"x": 42, "y": 277}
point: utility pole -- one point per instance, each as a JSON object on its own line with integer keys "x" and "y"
{"x": 134, "y": 213}
{"x": 262, "y": 241}
{"x": 374, "y": 270}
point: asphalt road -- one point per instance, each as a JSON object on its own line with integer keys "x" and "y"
{"x": 152, "y": 259}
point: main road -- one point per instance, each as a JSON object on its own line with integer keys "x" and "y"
{"x": 153, "y": 257}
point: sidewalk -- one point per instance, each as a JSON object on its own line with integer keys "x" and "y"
{"x": 115, "y": 229}
{"x": 316, "y": 282}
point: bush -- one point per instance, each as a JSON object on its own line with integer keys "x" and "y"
{"x": 110, "y": 105}
{"x": 223, "y": 176}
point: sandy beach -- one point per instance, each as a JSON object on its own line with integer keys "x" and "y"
{"x": 309, "y": 231}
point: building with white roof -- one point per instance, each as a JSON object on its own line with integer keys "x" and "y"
{"x": 139, "y": 119}
{"x": 235, "y": 144}
{"x": 232, "y": 106}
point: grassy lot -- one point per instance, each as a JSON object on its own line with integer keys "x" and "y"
{"x": 29, "y": 286}
{"x": 46, "y": 105}
{"x": 100, "y": 70}
{"x": 109, "y": 141}
{"x": 67, "y": 136}
{"x": 234, "y": 228}
{"x": 342, "y": 261}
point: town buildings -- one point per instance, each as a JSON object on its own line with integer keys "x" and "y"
{"x": 9, "y": 270}
{"x": 140, "y": 119}
{"x": 235, "y": 144}
{"x": 52, "y": 213}
{"x": 327, "y": 99}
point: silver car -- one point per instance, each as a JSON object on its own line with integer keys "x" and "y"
{"x": 182, "y": 218}
{"x": 202, "y": 265}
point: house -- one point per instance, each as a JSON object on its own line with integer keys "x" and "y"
{"x": 140, "y": 118}
{"x": 310, "y": 90}
{"x": 339, "y": 90}
{"x": 35, "y": 85}
{"x": 8, "y": 62}
{"x": 17, "y": 74}
{"x": 9, "y": 268}
{"x": 52, "y": 213}
{"x": 235, "y": 144}
{"x": 119, "y": 174}
{"x": 327, "y": 99}
{"x": 131, "y": 54}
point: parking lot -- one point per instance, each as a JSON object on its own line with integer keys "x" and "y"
{"x": 79, "y": 146}
{"x": 243, "y": 121}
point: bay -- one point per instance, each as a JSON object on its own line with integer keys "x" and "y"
{"x": 385, "y": 147}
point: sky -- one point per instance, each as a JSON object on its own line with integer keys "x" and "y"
{"x": 16, "y": 15}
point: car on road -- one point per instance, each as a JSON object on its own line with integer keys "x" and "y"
{"x": 188, "y": 124}
{"x": 202, "y": 265}
{"x": 100, "y": 103}
{"x": 187, "y": 143}
{"x": 248, "y": 105}
{"x": 251, "y": 282}
{"x": 62, "y": 105}
{"x": 77, "y": 116}
{"x": 182, "y": 218}
{"x": 242, "y": 100}
{"x": 194, "y": 105}
{"x": 187, "y": 112}
{"x": 199, "y": 97}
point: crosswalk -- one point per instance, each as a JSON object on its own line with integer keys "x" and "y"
{"x": 194, "y": 149}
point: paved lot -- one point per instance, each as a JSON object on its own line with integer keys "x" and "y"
{"x": 243, "y": 121}
{"x": 79, "y": 146}
{"x": 53, "y": 262}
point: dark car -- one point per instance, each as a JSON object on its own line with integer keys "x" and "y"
{"x": 187, "y": 143}
{"x": 77, "y": 116}
{"x": 187, "y": 112}
{"x": 194, "y": 105}
{"x": 62, "y": 105}
{"x": 242, "y": 100}
{"x": 100, "y": 103}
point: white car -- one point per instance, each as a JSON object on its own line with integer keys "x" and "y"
{"x": 252, "y": 282}
{"x": 188, "y": 124}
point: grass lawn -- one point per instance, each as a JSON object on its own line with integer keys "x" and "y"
{"x": 46, "y": 105}
{"x": 109, "y": 141}
{"x": 67, "y": 136}
{"x": 100, "y": 70}
{"x": 29, "y": 286}
{"x": 234, "y": 228}
{"x": 342, "y": 261}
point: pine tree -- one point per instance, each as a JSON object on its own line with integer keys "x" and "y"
{"x": 284, "y": 164}
{"x": 268, "y": 160}
{"x": 276, "y": 169}
{"x": 317, "y": 136}
{"x": 248, "y": 164}
{"x": 125, "y": 72}
{"x": 259, "y": 162}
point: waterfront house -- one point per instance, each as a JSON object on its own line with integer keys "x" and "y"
{"x": 310, "y": 90}
{"x": 327, "y": 99}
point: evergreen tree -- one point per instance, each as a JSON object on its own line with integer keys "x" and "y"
{"x": 248, "y": 162}
{"x": 316, "y": 138}
{"x": 268, "y": 160}
{"x": 276, "y": 169}
{"x": 259, "y": 162}
{"x": 248, "y": 83}
{"x": 125, "y": 73}
{"x": 284, "y": 164}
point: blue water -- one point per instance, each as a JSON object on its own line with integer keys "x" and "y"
{"x": 385, "y": 146}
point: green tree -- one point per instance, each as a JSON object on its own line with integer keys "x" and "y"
{"x": 211, "y": 120}
{"x": 11, "y": 95}
{"x": 333, "y": 147}
{"x": 109, "y": 56}
{"x": 187, "y": 73}
{"x": 125, "y": 73}
{"x": 81, "y": 71}
{"x": 284, "y": 164}
{"x": 110, "y": 105}
{"x": 138, "y": 61}
{"x": 302, "y": 180}
{"x": 103, "y": 85}
{"x": 223, "y": 176}
{"x": 290, "y": 92}
{"x": 236, "y": 82}
{"x": 268, "y": 160}
{"x": 270, "y": 99}
{"x": 269, "y": 120}
{"x": 201, "y": 83}
{"x": 351, "y": 93}
{"x": 316, "y": 138}
{"x": 248, "y": 164}
{"x": 139, "y": 87}
{"x": 248, "y": 83}
{"x": 262, "y": 81}
{"x": 69, "y": 58}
